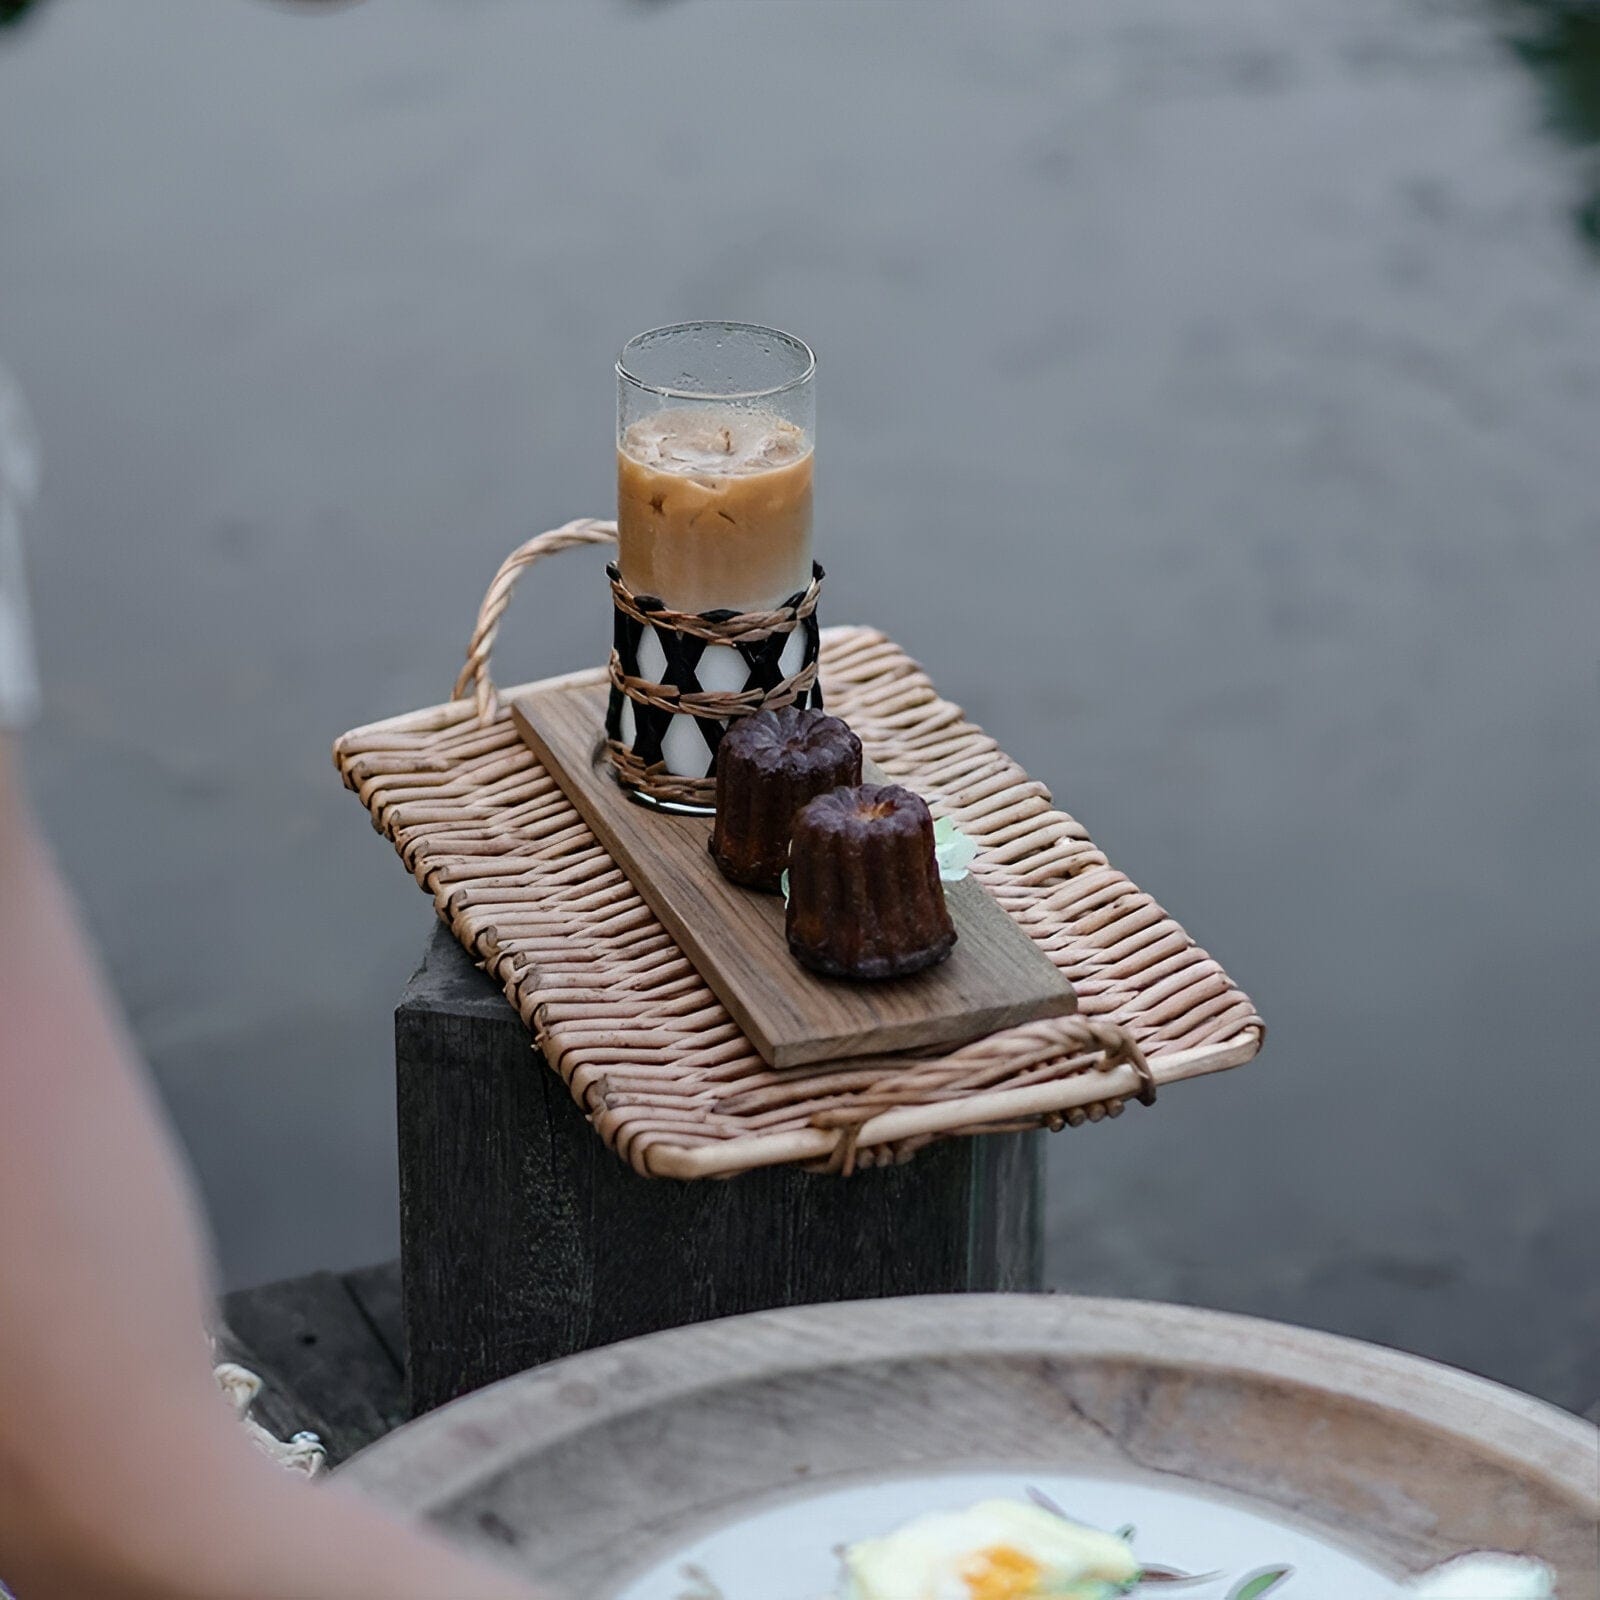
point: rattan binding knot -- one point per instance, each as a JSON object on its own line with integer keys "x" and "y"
{"x": 1079, "y": 1044}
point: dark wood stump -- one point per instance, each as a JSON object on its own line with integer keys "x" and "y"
{"x": 523, "y": 1238}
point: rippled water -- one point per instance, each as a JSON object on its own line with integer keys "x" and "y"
{"x": 1210, "y": 396}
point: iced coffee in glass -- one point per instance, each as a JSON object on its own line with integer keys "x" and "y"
{"x": 715, "y": 422}
{"x": 715, "y": 425}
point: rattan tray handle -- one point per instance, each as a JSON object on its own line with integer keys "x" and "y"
{"x": 1098, "y": 1048}
{"x": 475, "y": 673}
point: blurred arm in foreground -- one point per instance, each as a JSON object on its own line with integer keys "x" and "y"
{"x": 122, "y": 1472}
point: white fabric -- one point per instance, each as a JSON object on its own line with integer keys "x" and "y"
{"x": 19, "y": 480}
{"x": 303, "y": 1453}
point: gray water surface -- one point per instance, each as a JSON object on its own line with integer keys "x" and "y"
{"x": 1210, "y": 397}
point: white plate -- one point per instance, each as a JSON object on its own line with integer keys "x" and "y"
{"x": 786, "y": 1550}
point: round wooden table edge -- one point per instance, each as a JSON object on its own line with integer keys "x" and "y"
{"x": 437, "y": 1458}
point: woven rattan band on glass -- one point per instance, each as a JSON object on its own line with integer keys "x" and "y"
{"x": 665, "y": 1075}
{"x": 775, "y": 652}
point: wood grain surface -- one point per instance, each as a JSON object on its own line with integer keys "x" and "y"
{"x": 995, "y": 977}
{"x": 524, "y": 1238}
{"x": 591, "y": 1468}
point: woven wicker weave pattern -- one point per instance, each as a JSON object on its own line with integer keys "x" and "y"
{"x": 668, "y": 1079}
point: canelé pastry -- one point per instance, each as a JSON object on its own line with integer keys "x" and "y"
{"x": 768, "y": 766}
{"x": 865, "y": 899}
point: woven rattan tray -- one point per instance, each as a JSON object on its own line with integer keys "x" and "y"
{"x": 664, "y": 1074}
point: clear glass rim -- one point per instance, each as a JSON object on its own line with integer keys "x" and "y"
{"x": 668, "y": 392}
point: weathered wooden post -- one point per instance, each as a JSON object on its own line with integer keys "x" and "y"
{"x": 524, "y": 1238}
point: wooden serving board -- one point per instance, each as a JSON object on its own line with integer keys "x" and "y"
{"x": 994, "y": 978}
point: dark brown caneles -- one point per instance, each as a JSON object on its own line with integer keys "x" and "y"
{"x": 768, "y": 766}
{"x": 865, "y": 899}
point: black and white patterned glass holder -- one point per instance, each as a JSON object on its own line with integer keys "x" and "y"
{"x": 679, "y": 680}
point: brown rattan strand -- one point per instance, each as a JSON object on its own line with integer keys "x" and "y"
{"x": 665, "y": 1075}
{"x": 475, "y": 672}
{"x": 745, "y": 627}
{"x": 715, "y": 705}
{"x": 654, "y": 780}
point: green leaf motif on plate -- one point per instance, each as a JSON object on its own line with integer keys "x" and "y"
{"x": 1261, "y": 1582}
